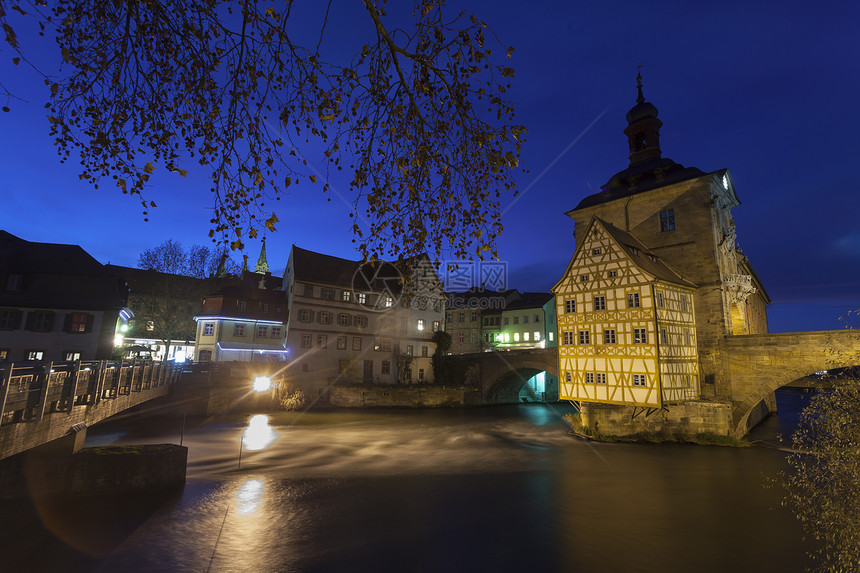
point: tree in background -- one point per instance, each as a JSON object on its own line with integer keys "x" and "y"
{"x": 447, "y": 369}
{"x": 823, "y": 483}
{"x": 168, "y": 291}
{"x": 416, "y": 117}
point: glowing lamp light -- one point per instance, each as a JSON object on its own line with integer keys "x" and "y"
{"x": 262, "y": 383}
{"x": 118, "y": 340}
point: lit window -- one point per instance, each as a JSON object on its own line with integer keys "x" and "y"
{"x": 345, "y": 296}
{"x": 516, "y": 337}
{"x": 361, "y": 297}
{"x": 507, "y": 337}
{"x": 640, "y": 336}
{"x": 150, "y": 325}
{"x": 609, "y": 336}
{"x": 537, "y": 336}
{"x": 551, "y": 336}
{"x": 35, "y": 354}
{"x": 409, "y": 349}
{"x": 633, "y": 300}
{"x": 584, "y": 337}
{"x": 71, "y": 356}
{"x": 208, "y": 329}
{"x": 526, "y": 336}
{"x": 667, "y": 220}
{"x": 435, "y": 326}
{"x": 420, "y": 325}
{"x": 238, "y": 330}
{"x": 387, "y": 302}
{"x": 600, "y": 303}
{"x": 341, "y": 342}
{"x": 78, "y": 322}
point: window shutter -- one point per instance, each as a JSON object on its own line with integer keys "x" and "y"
{"x": 67, "y": 322}
{"x": 52, "y": 318}
{"x": 31, "y": 317}
{"x": 90, "y": 319}
{"x": 16, "y": 319}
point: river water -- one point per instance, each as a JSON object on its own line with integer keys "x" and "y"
{"x": 484, "y": 489}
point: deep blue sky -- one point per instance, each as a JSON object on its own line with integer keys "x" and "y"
{"x": 769, "y": 90}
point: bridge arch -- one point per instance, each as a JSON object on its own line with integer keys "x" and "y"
{"x": 757, "y": 365}
{"x": 506, "y": 389}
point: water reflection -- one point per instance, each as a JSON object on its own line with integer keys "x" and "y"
{"x": 249, "y": 496}
{"x": 259, "y": 434}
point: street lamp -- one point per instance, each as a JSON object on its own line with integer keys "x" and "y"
{"x": 262, "y": 383}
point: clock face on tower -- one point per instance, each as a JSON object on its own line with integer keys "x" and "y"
{"x": 725, "y": 182}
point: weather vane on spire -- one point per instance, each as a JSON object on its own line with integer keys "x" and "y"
{"x": 641, "y": 98}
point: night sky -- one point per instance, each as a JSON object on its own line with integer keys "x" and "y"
{"x": 769, "y": 90}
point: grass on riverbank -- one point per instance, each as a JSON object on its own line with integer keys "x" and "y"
{"x": 661, "y": 437}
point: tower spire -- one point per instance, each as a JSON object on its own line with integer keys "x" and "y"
{"x": 643, "y": 127}
{"x": 262, "y": 266}
{"x": 641, "y": 97}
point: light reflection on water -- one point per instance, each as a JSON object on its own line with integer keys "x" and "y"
{"x": 474, "y": 490}
{"x": 259, "y": 434}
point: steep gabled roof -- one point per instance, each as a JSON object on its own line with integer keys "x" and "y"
{"x": 313, "y": 267}
{"x": 636, "y": 251}
{"x": 22, "y": 256}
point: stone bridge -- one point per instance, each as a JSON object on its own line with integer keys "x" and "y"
{"x": 501, "y": 374}
{"x": 45, "y": 402}
{"x": 749, "y": 368}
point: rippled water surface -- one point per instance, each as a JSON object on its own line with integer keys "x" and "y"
{"x": 483, "y": 489}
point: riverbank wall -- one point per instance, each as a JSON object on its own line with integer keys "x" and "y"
{"x": 694, "y": 417}
{"x": 404, "y": 396}
{"x": 102, "y": 471}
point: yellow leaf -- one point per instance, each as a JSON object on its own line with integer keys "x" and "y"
{"x": 148, "y": 167}
{"x": 121, "y": 184}
{"x": 252, "y": 233}
{"x": 313, "y": 178}
{"x": 183, "y": 172}
{"x": 270, "y": 222}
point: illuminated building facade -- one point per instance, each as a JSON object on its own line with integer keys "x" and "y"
{"x": 682, "y": 217}
{"x": 353, "y": 323}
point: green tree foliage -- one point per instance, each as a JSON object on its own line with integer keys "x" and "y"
{"x": 447, "y": 369}
{"x": 416, "y": 118}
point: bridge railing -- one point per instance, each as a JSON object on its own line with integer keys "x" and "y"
{"x": 29, "y": 391}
